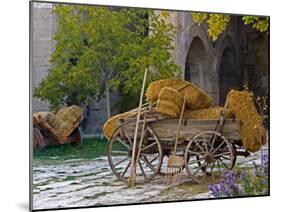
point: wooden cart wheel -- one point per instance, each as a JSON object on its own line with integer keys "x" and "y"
{"x": 208, "y": 154}
{"x": 120, "y": 152}
{"x": 38, "y": 139}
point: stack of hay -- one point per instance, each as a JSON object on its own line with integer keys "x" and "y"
{"x": 195, "y": 97}
{"x": 252, "y": 130}
{"x": 112, "y": 124}
{"x": 168, "y": 94}
{"x": 63, "y": 121}
{"x": 169, "y": 102}
{"x": 207, "y": 113}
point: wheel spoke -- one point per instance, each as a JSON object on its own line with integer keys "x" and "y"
{"x": 199, "y": 146}
{"x": 121, "y": 161}
{"x": 215, "y": 155}
{"x": 127, "y": 167}
{"x": 148, "y": 164}
{"x": 226, "y": 158}
{"x": 205, "y": 143}
{"x": 149, "y": 155}
{"x": 154, "y": 159}
{"x": 123, "y": 143}
{"x": 141, "y": 168}
{"x": 224, "y": 163}
{"x": 128, "y": 137}
{"x": 218, "y": 147}
{"x": 222, "y": 154}
{"x": 150, "y": 145}
{"x": 192, "y": 152}
{"x": 199, "y": 168}
{"x": 195, "y": 161}
{"x": 213, "y": 142}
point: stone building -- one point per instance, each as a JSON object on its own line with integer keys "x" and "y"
{"x": 238, "y": 57}
{"x": 43, "y": 29}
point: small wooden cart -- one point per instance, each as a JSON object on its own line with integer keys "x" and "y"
{"x": 44, "y": 134}
{"x": 209, "y": 147}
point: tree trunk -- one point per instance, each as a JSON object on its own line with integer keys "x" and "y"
{"x": 107, "y": 100}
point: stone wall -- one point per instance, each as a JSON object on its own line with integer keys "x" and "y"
{"x": 237, "y": 58}
{"x": 43, "y": 26}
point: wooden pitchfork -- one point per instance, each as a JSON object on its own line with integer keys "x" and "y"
{"x": 176, "y": 162}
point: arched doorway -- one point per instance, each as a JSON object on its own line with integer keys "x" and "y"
{"x": 196, "y": 64}
{"x": 228, "y": 73}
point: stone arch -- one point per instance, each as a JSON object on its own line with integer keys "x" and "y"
{"x": 228, "y": 69}
{"x": 186, "y": 37}
{"x": 196, "y": 64}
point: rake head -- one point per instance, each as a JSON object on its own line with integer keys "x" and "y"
{"x": 174, "y": 169}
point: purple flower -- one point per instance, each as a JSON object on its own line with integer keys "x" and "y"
{"x": 215, "y": 191}
{"x": 262, "y": 169}
{"x": 264, "y": 159}
{"x": 226, "y": 187}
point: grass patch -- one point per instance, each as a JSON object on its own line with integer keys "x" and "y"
{"x": 69, "y": 178}
{"x": 90, "y": 148}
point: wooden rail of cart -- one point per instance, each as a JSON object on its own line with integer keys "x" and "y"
{"x": 208, "y": 148}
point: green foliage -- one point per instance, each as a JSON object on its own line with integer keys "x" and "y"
{"x": 217, "y": 23}
{"x": 259, "y": 23}
{"x": 152, "y": 51}
{"x": 199, "y": 17}
{"x": 96, "y": 45}
{"x": 253, "y": 184}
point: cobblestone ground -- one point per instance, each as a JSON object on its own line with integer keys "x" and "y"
{"x": 80, "y": 182}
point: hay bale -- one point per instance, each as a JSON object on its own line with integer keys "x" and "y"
{"x": 55, "y": 123}
{"x": 45, "y": 115}
{"x": 69, "y": 114}
{"x": 169, "y": 102}
{"x": 207, "y": 113}
{"x": 253, "y": 133}
{"x": 65, "y": 119}
{"x": 155, "y": 87}
{"x": 112, "y": 124}
{"x": 196, "y": 98}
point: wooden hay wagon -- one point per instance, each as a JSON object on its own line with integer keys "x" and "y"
{"x": 209, "y": 147}
{"x": 45, "y": 133}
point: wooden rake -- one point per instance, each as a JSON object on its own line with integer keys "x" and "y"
{"x": 176, "y": 162}
{"x": 135, "y": 154}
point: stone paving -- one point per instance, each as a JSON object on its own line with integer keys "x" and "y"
{"x": 80, "y": 182}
